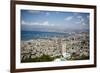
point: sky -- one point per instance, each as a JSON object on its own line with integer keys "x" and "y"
{"x": 53, "y": 20}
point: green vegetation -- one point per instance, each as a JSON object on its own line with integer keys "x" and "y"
{"x": 43, "y": 58}
{"x": 75, "y": 57}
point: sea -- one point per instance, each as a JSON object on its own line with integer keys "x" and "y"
{"x": 28, "y": 35}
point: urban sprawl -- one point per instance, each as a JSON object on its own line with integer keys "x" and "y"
{"x": 73, "y": 47}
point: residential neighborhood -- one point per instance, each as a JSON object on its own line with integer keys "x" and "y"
{"x": 73, "y": 47}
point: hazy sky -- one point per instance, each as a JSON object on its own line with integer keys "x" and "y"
{"x": 53, "y": 20}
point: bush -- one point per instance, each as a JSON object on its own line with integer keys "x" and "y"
{"x": 42, "y": 58}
